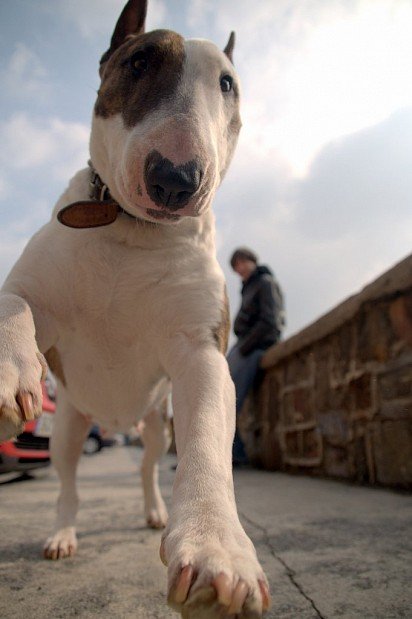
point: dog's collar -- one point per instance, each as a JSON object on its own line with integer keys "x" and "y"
{"x": 97, "y": 189}
{"x": 100, "y": 210}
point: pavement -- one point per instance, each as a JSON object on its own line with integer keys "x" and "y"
{"x": 329, "y": 549}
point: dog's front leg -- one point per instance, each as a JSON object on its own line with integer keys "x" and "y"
{"x": 21, "y": 366}
{"x": 213, "y": 568}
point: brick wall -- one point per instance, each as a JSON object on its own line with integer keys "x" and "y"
{"x": 336, "y": 398}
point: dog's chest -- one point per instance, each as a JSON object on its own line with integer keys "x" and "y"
{"x": 122, "y": 297}
{"x": 112, "y": 303}
{"x": 122, "y": 306}
{"x": 108, "y": 333}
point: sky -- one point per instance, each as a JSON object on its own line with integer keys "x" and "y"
{"x": 320, "y": 185}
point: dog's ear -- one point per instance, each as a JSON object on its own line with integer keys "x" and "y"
{"x": 229, "y": 47}
{"x": 131, "y": 21}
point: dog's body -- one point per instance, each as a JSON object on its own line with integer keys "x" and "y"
{"x": 113, "y": 320}
{"x": 125, "y": 310}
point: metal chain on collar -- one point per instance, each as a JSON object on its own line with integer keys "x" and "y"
{"x": 98, "y": 190}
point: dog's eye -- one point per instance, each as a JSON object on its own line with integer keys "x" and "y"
{"x": 139, "y": 63}
{"x": 226, "y": 83}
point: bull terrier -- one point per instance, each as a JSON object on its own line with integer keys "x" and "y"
{"x": 122, "y": 293}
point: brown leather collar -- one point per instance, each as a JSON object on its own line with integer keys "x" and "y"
{"x": 100, "y": 210}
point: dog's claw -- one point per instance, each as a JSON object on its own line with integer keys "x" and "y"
{"x": 25, "y": 402}
{"x": 63, "y": 553}
{"x": 232, "y": 599}
{"x": 238, "y": 598}
{"x": 264, "y": 590}
{"x": 223, "y": 586}
{"x": 61, "y": 545}
{"x": 183, "y": 584}
{"x": 156, "y": 522}
{"x": 51, "y": 555}
{"x": 58, "y": 553}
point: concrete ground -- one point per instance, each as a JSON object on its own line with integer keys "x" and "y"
{"x": 329, "y": 549}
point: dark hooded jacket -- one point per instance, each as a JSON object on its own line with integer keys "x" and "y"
{"x": 259, "y": 321}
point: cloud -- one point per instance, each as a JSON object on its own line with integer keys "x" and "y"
{"x": 37, "y": 158}
{"x": 328, "y": 234}
{"x": 4, "y": 188}
{"x": 199, "y": 11}
{"x": 315, "y": 71}
{"x": 359, "y": 183}
{"x": 26, "y": 144}
{"x": 22, "y": 214}
{"x": 24, "y": 76}
{"x": 98, "y": 17}
{"x": 10, "y": 249}
{"x": 29, "y": 143}
{"x": 324, "y": 200}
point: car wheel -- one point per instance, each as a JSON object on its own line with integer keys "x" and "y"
{"x": 91, "y": 445}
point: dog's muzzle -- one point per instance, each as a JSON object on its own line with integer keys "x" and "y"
{"x": 170, "y": 186}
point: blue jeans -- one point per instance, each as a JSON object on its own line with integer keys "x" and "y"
{"x": 243, "y": 370}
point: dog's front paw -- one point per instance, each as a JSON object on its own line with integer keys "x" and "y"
{"x": 214, "y": 575}
{"x": 20, "y": 392}
{"x": 61, "y": 545}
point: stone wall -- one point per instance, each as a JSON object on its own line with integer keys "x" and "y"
{"x": 336, "y": 398}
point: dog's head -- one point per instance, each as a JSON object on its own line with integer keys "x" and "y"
{"x": 166, "y": 119}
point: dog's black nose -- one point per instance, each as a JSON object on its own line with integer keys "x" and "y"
{"x": 169, "y": 185}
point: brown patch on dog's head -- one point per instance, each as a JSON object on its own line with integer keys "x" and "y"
{"x": 139, "y": 75}
{"x": 131, "y": 22}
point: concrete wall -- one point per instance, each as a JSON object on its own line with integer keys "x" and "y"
{"x": 336, "y": 398}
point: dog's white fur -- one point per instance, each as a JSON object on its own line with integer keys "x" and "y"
{"x": 130, "y": 308}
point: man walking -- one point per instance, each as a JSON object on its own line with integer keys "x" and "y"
{"x": 258, "y": 325}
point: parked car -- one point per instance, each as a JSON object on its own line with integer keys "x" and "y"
{"x": 30, "y": 450}
{"x": 96, "y": 441}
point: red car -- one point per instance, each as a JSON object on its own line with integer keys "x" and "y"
{"x": 30, "y": 450}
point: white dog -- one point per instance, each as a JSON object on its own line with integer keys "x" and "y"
{"x": 134, "y": 300}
